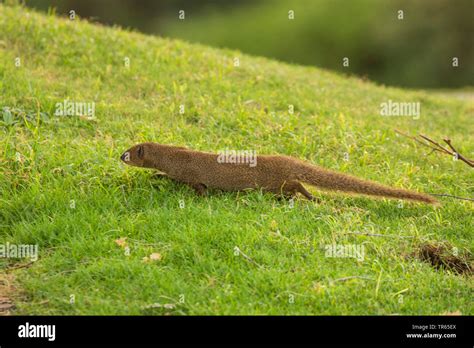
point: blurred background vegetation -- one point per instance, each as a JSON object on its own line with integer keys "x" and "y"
{"x": 414, "y": 52}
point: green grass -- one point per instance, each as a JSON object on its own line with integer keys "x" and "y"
{"x": 74, "y": 158}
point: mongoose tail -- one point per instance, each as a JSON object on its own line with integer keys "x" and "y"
{"x": 331, "y": 180}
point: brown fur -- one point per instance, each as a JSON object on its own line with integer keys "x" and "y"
{"x": 277, "y": 174}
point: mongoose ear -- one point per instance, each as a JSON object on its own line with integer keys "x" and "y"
{"x": 140, "y": 152}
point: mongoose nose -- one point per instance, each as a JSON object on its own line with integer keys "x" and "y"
{"x": 123, "y": 157}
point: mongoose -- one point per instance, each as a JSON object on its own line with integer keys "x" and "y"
{"x": 278, "y": 174}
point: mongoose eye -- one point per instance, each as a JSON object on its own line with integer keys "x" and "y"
{"x": 140, "y": 152}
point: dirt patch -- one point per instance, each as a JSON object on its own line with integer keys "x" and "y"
{"x": 6, "y": 293}
{"x": 443, "y": 256}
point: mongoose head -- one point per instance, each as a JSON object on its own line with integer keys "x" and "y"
{"x": 136, "y": 155}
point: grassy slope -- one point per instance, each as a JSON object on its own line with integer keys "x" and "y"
{"x": 71, "y": 158}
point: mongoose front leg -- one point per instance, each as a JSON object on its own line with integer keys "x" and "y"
{"x": 200, "y": 189}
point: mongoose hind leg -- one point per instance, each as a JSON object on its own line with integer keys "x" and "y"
{"x": 292, "y": 187}
{"x": 285, "y": 197}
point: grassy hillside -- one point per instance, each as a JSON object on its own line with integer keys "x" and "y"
{"x": 64, "y": 188}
